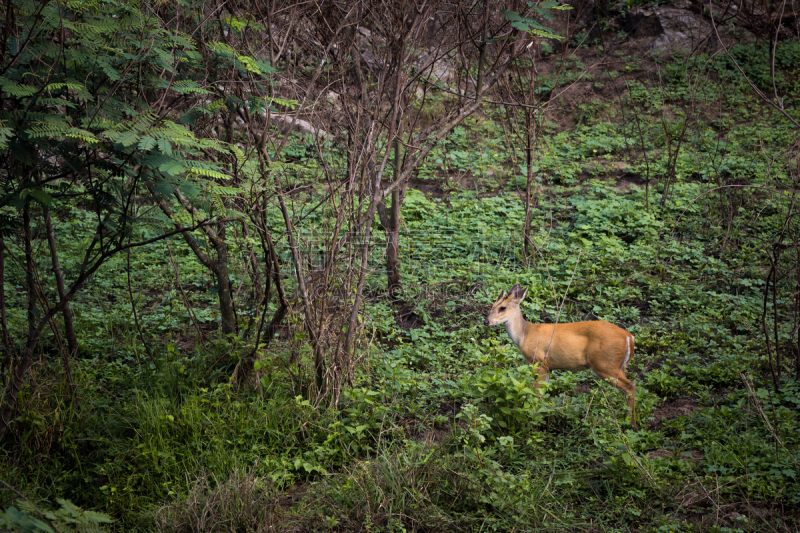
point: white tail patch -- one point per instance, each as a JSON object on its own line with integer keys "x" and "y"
{"x": 628, "y": 342}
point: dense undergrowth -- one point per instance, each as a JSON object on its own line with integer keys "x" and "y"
{"x": 441, "y": 430}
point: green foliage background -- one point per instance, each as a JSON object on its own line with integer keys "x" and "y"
{"x": 440, "y": 430}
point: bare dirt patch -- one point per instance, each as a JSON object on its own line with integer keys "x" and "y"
{"x": 672, "y": 409}
{"x": 577, "y": 93}
{"x": 584, "y": 387}
{"x": 626, "y": 182}
{"x": 695, "y": 456}
{"x": 407, "y": 319}
{"x": 432, "y": 436}
{"x": 431, "y": 188}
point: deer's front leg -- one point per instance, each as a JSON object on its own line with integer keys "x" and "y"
{"x": 542, "y": 377}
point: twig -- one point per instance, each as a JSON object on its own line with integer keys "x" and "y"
{"x": 560, "y": 307}
{"x": 778, "y": 106}
{"x": 748, "y": 383}
{"x": 133, "y": 308}
{"x": 18, "y": 493}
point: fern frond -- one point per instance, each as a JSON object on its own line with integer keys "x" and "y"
{"x": 544, "y": 34}
{"x": 220, "y": 190}
{"x": 146, "y": 143}
{"x": 108, "y": 70}
{"x": 531, "y": 25}
{"x": 5, "y": 134}
{"x": 83, "y": 135}
{"x": 218, "y": 203}
{"x": 96, "y": 29}
{"x": 173, "y": 168}
{"x": 222, "y": 49}
{"x": 51, "y": 127}
{"x": 128, "y": 138}
{"x": 189, "y": 86}
{"x": 77, "y": 87}
{"x": 155, "y": 161}
{"x": 164, "y": 146}
{"x": 80, "y": 6}
{"x": 208, "y": 173}
{"x": 291, "y": 104}
{"x": 16, "y": 90}
{"x": 55, "y": 102}
{"x": 39, "y": 195}
{"x": 237, "y": 152}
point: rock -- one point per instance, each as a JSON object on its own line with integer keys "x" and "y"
{"x": 720, "y": 12}
{"x": 335, "y": 99}
{"x": 681, "y": 4}
{"x": 669, "y": 27}
{"x": 290, "y": 123}
{"x": 372, "y": 62}
{"x": 441, "y": 70}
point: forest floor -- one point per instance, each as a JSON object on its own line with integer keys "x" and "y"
{"x": 661, "y": 184}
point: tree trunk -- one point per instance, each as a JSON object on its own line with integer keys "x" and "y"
{"x": 88, "y": 268}
{"x": 3, "y": 317}
{"x": 797, "y": 314}
{"x": 392, "y": 251}
{"x": 30, "y": 266}
{"x": 227, "y": 313}
{"x": 362, "y": 274}
{"x": 319, "y": 355}
{"x": 772, "y": 271}
{"x": 391, "y": 226}
{"x": 272, "y": 272}
{"x": 69, "y": 330}
{"x": 17, "y": 382}
{"x": 280, "y": 313}
{"x": 18, "y": 379}
{"x": 529, "y": 127}
{"x": 255, "y": 273}
{"x": 392, "y": 248}
{"x": 218, "y": 267}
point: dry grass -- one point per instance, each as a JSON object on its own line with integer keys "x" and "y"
{"x": 243, "y": 503}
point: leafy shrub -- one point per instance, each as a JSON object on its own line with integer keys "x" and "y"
{"x": 69, "y": 518}
{"x": 605, "y": 211}
{"x": 507, "y": 396}
{"x": 754, "y": 59}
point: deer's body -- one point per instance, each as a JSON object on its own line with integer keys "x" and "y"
{"x": 599, "y": 346}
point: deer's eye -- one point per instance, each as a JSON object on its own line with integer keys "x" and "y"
{"x": 502, "y": 309}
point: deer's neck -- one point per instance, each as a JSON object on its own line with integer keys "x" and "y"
{"x": 516, "y": 326}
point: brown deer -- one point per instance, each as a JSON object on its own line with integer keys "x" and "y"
{"x": 604, "y": 348}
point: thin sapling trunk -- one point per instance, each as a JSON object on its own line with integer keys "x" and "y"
{"x": 69, "y": 329}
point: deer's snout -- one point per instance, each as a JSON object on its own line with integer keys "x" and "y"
{"x": 485, "y": 321}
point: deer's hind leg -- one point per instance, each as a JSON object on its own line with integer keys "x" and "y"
{"x": 621, "y": 381}
{"x": 628, "y": 387}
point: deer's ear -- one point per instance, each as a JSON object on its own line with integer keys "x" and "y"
{"x": 501, "y": 297}
{"x": 518, "y": 293}
{"x": 521, "y": 296}
{"x": 515, "y": 290}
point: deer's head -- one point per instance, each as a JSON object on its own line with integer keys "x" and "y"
{"x": 505, "y": 306}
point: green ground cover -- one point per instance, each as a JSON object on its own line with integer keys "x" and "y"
{"x": 441, "y": 430}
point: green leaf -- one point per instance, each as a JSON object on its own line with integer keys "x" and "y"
{"x": 39, "y": 195}
{"x": 146, "y": 143}
{"x": 173, "y": 168}
{"x": 164, "y": 146}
